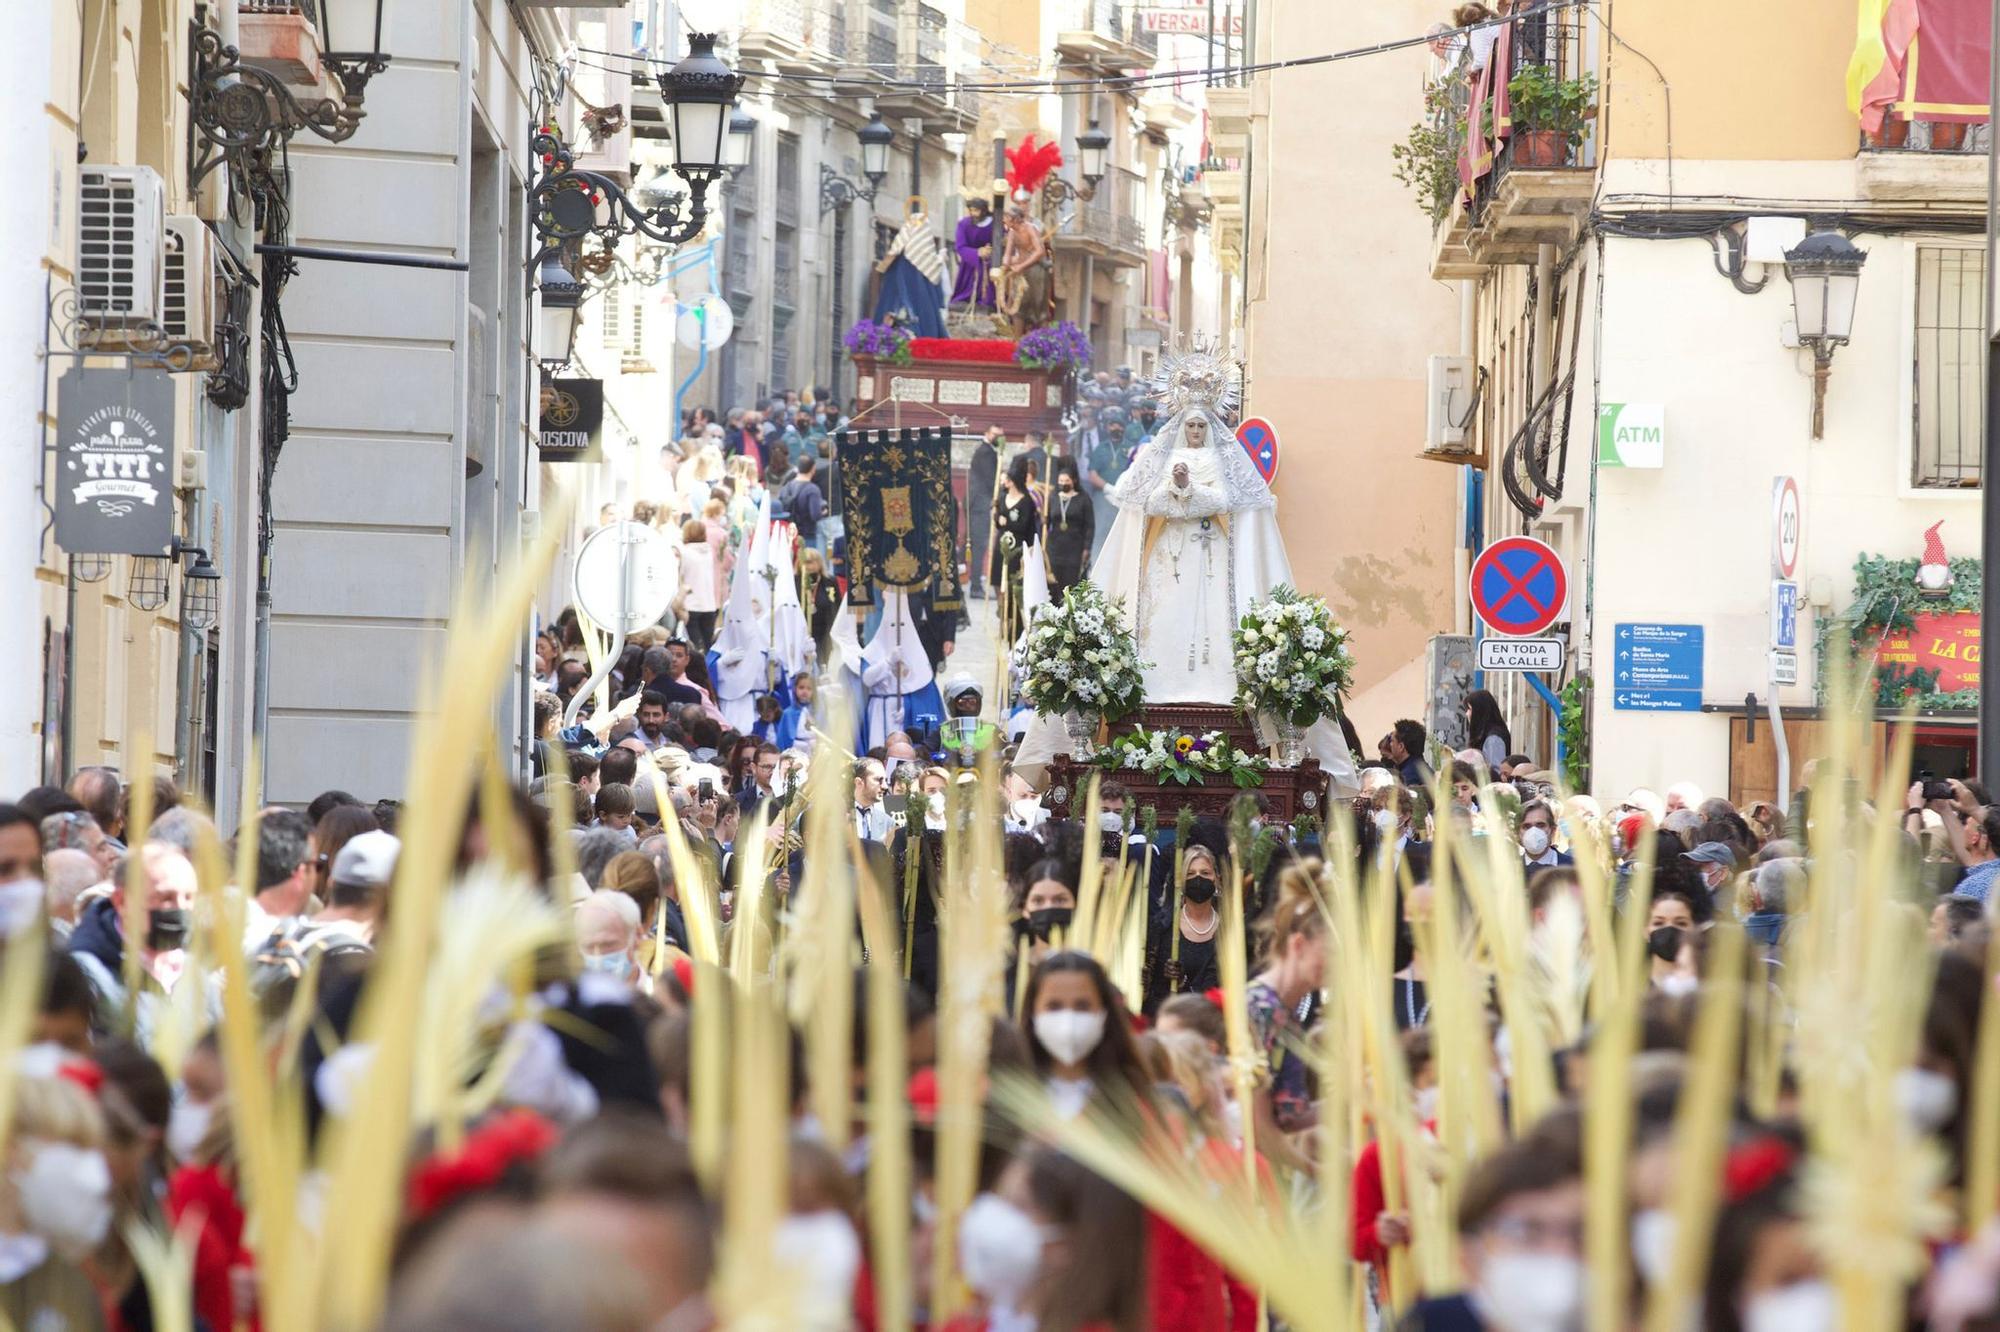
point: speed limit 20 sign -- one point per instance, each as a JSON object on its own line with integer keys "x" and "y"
{"x": 1787, "y": 526}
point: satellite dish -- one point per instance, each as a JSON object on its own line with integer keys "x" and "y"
{"x": 625, "y": 577}
{"x": 708, "y": 322}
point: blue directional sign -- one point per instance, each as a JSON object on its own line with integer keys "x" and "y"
{"x": 1657, "y": 668}
{"x": 1784, "y": 615}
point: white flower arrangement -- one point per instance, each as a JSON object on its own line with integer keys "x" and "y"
{"x": 1079, "y": 656}
{"x": 1291, "y": 658}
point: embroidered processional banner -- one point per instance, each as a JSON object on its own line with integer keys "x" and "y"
{"x": 902, "y": 523}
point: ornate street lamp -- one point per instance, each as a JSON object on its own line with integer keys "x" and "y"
{"x": 1093, "y": 151}
{"x": 742, "y": 134}
{"x": 351, "y": 67}
{"x": 836, "y": 190}
{"x": 1093, "y": 146}
{"x": 876, "y": 141}
{"x": 562, "y": 298}
{"x": 700, "y": 92}
{"x": 1825, "y": 273}
{"x": 567, "y": 204}
{"x": 244, "y": 114}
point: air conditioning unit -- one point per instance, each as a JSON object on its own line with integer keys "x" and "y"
{"x": 1450, "y": 400}
{"x": 187, "y": 288}
{"x": 121, "y": 225}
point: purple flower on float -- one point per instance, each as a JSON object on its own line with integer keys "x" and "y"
{"x": 1057, "y": 345}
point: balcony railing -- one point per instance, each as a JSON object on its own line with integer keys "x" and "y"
{"x": 1116, "y": 19}
{"x": 1111, "y": 217}
{"x": 1541, "y": 44}
{"x": 930, "y": 44}
{"x": 1927, "y": 136}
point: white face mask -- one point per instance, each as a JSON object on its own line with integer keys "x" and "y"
{"x": 65, "y": 1196}
{"x": 1803, "y": 1306}
{"x": 20, "y": 902}
{"x": 1531, "y": 1292}
{"x": 609, "y": 964}
{"x": 187, "y": 1125}
{"x": 1535, "y": 840}
{"x": 1653, "y": 1244}
{"x": 1425, "y": 1103}
{"x": 999, "y": 1249}
{"x": 824, "y": 1254}
{"x": 1069, "y": 1035}
{"x": 1110, "y": 821}
{"x": 1928, "y": 1099}
{"x": 1385, "y": 822}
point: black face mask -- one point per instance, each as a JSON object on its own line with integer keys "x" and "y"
{"x": 1665, "y": 943}
{"x": 166, "y": 928}
{"x": 1198, "y": 890}
{"x": 1045, "y": 921}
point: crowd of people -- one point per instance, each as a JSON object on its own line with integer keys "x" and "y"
{"x": 572, "y": 1196}
{"x": 761, "y": 1004}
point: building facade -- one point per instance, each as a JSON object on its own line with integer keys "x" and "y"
{"x": 102, "y": 670}
{"x": 345, "y": 325}
{"x": 1341, "y": 319}
{"x": 1644, "y": 395}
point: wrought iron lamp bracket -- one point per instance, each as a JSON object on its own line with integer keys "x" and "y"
{"x": 241, "y": 116}
{"x": 837, "y": 191}
{"x": 569, "y": 204}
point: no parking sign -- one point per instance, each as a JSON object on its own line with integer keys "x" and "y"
{"x": 1518, "y": 587}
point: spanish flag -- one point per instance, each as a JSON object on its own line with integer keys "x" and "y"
{"x": 1920, "y": 60}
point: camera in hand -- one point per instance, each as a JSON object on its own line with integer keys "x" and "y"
{"x": 1934, "y": 789}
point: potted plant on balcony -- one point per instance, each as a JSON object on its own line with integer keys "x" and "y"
{"x": 1427, "y": 161}
{"x": 1549, "y": 115}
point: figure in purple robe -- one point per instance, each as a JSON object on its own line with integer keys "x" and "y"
{"x": 974, "y": 284}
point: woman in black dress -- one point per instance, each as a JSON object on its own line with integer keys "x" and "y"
{"x": 1068, "y": 530}
{"x": 1015, "y": 523}
{"x": 1197, "y": 969}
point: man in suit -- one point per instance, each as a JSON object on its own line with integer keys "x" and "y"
{"x": 982, "y": 475}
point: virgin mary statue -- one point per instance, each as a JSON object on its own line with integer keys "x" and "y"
{"x": 1194, "y": 543}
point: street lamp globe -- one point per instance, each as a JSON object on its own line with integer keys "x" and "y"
{"x": 876, "y": 140}
{"x": 1825, "y": 273}
{"x": 742, "y": 133}
{"x": 1093, "y": 146}
{"x": 87, "y": 567}
{"x": 199, "y": 595}
{"x": 562, "y": 297}
{"x": 328, "y": 33}
{"x": 699, "y": 93}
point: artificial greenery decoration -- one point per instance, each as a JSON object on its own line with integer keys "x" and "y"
{"x": 1572, "y": 726}
{"x": 1886, "y": 602}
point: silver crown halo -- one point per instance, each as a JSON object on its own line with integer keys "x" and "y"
{"x": 1196, "y": 371}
